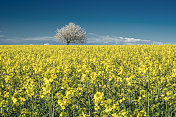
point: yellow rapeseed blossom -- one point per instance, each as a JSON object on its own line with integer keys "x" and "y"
{"x": 88, "y": 80}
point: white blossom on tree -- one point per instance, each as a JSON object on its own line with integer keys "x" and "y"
{"x": 71, "y": 34}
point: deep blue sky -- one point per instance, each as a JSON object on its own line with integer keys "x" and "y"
{"x": 21, "y": 20}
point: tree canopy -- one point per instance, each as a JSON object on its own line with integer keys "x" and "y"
{"x": 71, "y": 33}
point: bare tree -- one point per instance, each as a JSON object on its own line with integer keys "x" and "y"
{"x": 71, "y": 34}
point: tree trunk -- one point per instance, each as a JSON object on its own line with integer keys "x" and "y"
{"x": 67, "y": 43}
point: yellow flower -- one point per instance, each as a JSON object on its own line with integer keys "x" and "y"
{"x": 114, "y": 115}
{"x": 166, "y": 98}
{"x": 14, "y": 100}
{"x": 98, "y": 97}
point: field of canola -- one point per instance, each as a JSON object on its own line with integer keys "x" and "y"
{"x": 88, "y": 81}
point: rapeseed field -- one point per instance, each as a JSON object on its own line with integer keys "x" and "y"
{"x": 88, "y": 81}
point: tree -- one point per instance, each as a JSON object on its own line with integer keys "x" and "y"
{"x": 71, "y": 34}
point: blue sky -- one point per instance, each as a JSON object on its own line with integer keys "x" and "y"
{"x": 105, "y": 21}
